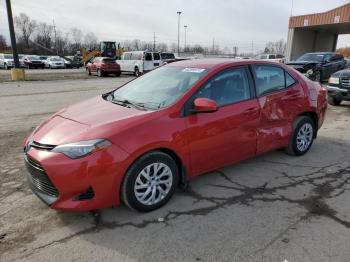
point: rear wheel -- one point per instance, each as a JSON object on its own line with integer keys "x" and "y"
{"x": 6, "y": 67}
{"x": 137, "y": 72}
{"x": 302, "y": 136}
{"x": 334, "y": 101}
{"x": 150, "y": 182}
{"x": 117, "y": 74}
{"x": 99, "y": 73}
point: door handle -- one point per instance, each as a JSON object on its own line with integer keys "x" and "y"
{"x": 250, "y": 111}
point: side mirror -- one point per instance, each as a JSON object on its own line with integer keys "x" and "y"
{"x": 205, "y": 105}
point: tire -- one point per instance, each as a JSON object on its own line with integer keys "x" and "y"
{"x": 318, "y": 76}
{"x": 99, "y": 73}
{"x": 89, "y": 72}
{"x": 137, "y": 72}
{"x": 118, "y": 74}
{"x": 6, "y": 67}
{"x": 134, "y": 176}
{"x": 334, "y": 101}
{"x": 302, "y": 137}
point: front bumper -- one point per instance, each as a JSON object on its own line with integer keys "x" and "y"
{"x": 88, "y": 183}
{"x": 338, "y": 92}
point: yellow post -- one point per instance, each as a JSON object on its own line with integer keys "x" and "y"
{"x": 18, "y": 74}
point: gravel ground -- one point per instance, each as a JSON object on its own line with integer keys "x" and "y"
{"x": 271, "y": 208}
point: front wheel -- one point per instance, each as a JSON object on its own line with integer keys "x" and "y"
{"x": 6, "y": 67}
{"x": 318, "y": 76}
{"x": 302, "y": 136}
{"x": 334, "y": 101}
{"x": 150, "y": 182}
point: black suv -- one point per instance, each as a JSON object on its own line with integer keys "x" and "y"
{"x": 339, "y": 87}
{"x": 319, "y": 66}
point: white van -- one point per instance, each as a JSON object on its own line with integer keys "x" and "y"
{"x": 6, "y": 61}
{"x": 139, "y": 62}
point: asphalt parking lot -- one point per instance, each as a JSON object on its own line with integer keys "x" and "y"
{"x": 271, "y": 208}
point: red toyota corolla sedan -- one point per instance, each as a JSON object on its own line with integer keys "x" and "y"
{"x": 136, "y": 144}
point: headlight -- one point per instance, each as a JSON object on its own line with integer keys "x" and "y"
{"x": 333, "y": 80}
{"x": 309, "y": 72}
{"x": 82, "y": 148}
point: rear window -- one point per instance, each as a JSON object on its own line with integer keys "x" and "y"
{"x": 156, "y": 56}
{"x": 108, "y": 61}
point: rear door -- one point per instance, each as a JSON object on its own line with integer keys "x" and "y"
{"x": 229, "y": 134}
{"x": 148, "y": 62}
{"x": 156, "y": 60}
{"x": 281, "y": 98}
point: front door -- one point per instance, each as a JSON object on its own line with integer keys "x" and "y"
{"x": 229, "y": 134}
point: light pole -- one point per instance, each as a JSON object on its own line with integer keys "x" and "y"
{"x": 12, "y": 34}
{"x": 178, "y": 34}
{"x": 185, "y": 26}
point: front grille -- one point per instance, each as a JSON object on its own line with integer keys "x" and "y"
{"x": 42, "y": 146}
{"x": 345, "y": 82}
{"x": 39, "y": 179}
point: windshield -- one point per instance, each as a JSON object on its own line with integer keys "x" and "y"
{"x": 8, "y": 56}
{"x": 160, "y": 87}
{"x": 34, "y": 57}
{"x": 311, "y": 57}
{"x": 56, "y": 59}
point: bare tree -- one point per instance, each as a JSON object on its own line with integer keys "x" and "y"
{"x": 77, "y": 36}
{"x": 91, "y": 41}
{"x": 278, "y": 47}
{"x": 3, "y": 44}
{"x": 25, "y": 27}
{"x": 136, "y": 45}
{"x": 44, "y": 35}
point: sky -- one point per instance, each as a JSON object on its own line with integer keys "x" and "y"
{"x": 248, "y": 24}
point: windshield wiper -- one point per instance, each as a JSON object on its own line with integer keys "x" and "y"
{"x": 128, "y": 103}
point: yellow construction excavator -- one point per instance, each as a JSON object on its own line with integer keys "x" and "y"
{"x": 106, "y": 49}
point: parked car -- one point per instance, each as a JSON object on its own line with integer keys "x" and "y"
{"x": 6, "y": 61}
{"x": 54, "y": 62}
{"x": 72, "y": 61}
{"x": 271, "y": 57}
{"x": 21, "y": 61}
{"x": 33, "y": 61}
{"x": 347, "y": 60}
{"x": 319, "y": 66}
{"x": 103, "y": 66}
{"x": 137, "y": 143}
{"x": 43, "y": 58}
{"x": 339, "y": 87}
{"x": 167, "y": 58}
{"x": 139, "y": 62}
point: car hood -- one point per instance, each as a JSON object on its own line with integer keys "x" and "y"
{"x": 8, "y": 60}
{"x": 302, "y": 63}
{"x": 342, "y": 73}
{"x": 90, "y": 119}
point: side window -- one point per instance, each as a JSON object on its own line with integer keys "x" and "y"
{"x": 289, "y": 80}
{"x": 127, "y": 56}
{"x": 268, "y": 78}
{"x": 148, "y": 57}
{"x": 327, "y": 58}
{"x": 272, "y": 57}
{"x": 227, "y": 87}
{"x": 156, "y": 56}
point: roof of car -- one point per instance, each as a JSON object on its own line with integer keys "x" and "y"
{"x": 210, "y": 63}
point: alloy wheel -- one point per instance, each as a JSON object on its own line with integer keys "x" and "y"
{"x": 153, "y": 183}
{"x": 304, "y": 137}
